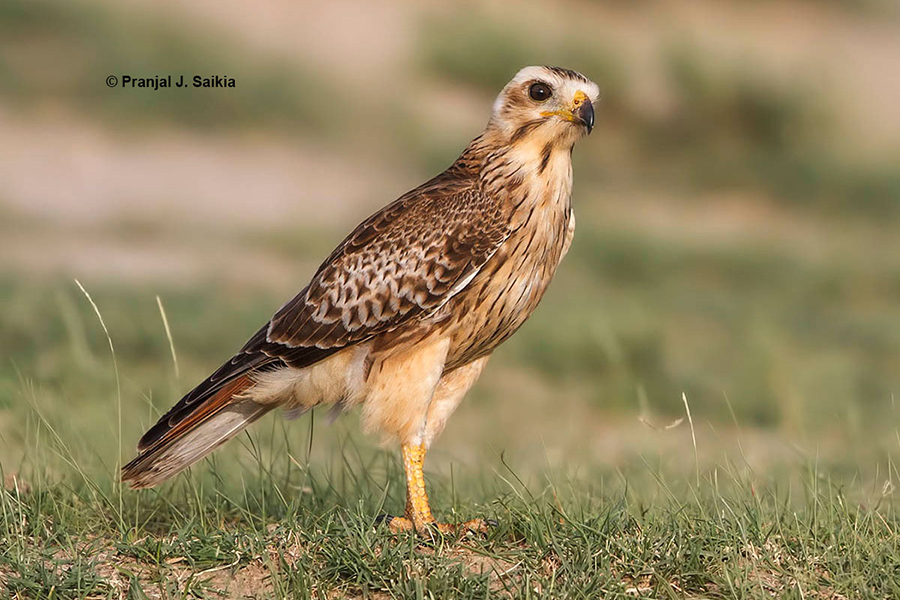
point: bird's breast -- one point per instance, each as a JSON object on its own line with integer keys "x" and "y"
{"x": 509, "y": 287}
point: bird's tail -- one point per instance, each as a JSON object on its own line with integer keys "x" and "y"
{"x": 196, "y": 433}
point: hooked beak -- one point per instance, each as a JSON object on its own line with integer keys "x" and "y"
{"x": 584, "y": 111}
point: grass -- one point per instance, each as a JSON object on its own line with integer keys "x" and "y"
{"x": 289, "y": 510}
{"x": 273, "y": 526}
{"x": 276, "y": 522}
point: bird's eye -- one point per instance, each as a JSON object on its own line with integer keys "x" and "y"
{"x": 539, "y": 91}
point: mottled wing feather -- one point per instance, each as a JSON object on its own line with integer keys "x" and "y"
{"x": 401, "y": 263}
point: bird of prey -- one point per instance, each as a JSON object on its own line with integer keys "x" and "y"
{"x": 403, "y": 315}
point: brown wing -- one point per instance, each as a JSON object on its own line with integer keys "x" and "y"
{"x": 400, "y": 264}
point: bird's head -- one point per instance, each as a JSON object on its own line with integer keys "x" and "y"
{"x": 551, "y": 103}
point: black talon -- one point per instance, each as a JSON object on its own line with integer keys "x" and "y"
{"x": 386, "y": 519}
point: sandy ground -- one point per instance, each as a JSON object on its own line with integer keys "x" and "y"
{"x": 61, "y": 169}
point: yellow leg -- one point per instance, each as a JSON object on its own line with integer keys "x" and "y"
{"x": 418, "y": 511}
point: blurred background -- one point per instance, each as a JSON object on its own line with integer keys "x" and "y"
{"x": 738, "y": 214}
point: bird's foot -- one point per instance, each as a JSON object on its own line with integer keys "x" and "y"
{"x": 482, "y": 526}
{"x": 401, "y": 524}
